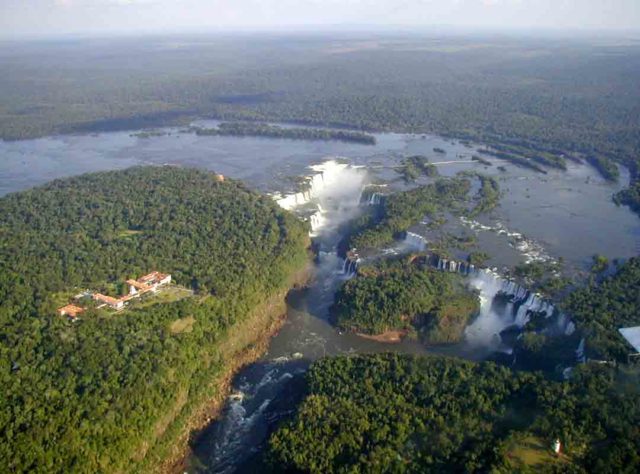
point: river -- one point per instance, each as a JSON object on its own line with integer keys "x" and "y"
{"x": 566, "y": 214}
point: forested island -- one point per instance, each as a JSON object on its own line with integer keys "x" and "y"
{"x": 119, "y": 392}
{"x": 407, "y": 299}
{"x": 413, "y": 167}
{"x": 251, "y": 129}
{"x": 400, "y": 210}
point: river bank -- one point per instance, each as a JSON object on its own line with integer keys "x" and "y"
{"x": 246, "y": 343}
{"x": 389, "y": 337}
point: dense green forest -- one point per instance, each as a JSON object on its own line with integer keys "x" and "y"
{"x": 541, "y": 100}
{"x": 602, "y": 308}
{"x": 400, "y": 210}
{"x": 399, "y": 413}
{"x": 413, "y": 167}
{"x": 397, "y": 295}
{"x": 98, "y": 394}
{"x": 243, "y": 129}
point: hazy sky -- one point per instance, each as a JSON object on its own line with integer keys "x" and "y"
{"x": 20, "y": 17}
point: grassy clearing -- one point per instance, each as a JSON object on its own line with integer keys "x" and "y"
{"x": 532, "y": 452}
{"x": 183, "y": 325}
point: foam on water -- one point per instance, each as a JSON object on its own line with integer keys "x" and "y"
{"x": 531, "y": 250}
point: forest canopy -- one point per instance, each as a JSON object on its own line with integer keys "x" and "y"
{"x": 401, "y": 296}
{"x": 97, "y": 394}
{"x": 401, "y": 413}
{"x": 602, "y": 308}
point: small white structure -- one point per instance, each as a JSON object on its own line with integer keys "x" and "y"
{"x": 557, "y": 446}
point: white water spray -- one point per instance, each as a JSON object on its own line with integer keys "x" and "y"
{"x": 333, "y": 190}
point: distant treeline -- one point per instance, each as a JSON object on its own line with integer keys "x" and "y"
{"x": 252, "y": 129}
{"x": 567, "y": 99}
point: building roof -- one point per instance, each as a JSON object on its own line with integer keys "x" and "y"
{"x": 153, "y": 276}
{"x": 106, "y": 299}
{"x": 71, "y": 310}
{"x": 632, "y": 335}
{"x": 139, "y": 285}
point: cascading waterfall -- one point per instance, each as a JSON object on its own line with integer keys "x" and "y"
{"x": 334, "y": 190}
{"x": 375, "y": 199}
{"x": 416, "y": 241}
{"x": 492, "y": 320}
{"x": 350, "y": 266}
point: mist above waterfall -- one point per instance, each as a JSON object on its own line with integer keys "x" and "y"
{"x": 331, "y": 198}
{"x": 485, "y": 330}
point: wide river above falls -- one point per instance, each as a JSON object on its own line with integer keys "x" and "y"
{"x": 566, "y": 214}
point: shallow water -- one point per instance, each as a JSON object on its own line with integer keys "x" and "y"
{"x": 568, "y": 214}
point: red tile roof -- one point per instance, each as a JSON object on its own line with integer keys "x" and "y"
{"x": 139, "y": 285}
{"x": 105, "y": 299}
{"x": 71, "y": 310}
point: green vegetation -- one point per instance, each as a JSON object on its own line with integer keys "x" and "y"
{"x": 399, "y": 413}
{"x": 478, "y": 259}
{"x": 481, "y": 160}
{"x": 244, "y": 129}
{"x": 149, "y": 134}
{"x": 488, "y": 196}
{"x": 546, "y": 97}
{"x": 401, "y": 296}
{"x": 600, "y": 264}
{"x": 630, "y": 197}
{"x": 603, "y": 308}
{"x": 516, "y": 160}
{"x": 401, "y": 210}
{"x": 112, "y": 393}
{"x": 531, "y": 153}
{"x": 416, "y": 166}
{"x": 605, "y": 166}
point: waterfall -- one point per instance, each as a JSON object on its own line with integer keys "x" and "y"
{"x": 317, "y": 221}
{"x": 375, "y": 199}
{"x": 580, "y": 356}
{"x": 350, "y": 266}
{"x": 334, "y": 189}
{"x": 492, "y": 320}
{"x": 443, "y": 264}
{"x": 416, "y": 241}
{"x": 485, "y": 330}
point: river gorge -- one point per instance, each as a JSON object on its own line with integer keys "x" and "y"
{"x": 563, "y": 215}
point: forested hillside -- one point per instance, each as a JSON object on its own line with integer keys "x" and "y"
{"x": 395, "y": 413}
{"x": 99, "y": 394}
{"x": 602, "y": 308}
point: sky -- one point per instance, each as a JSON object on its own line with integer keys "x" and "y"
{"x": 55, "y": 17}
